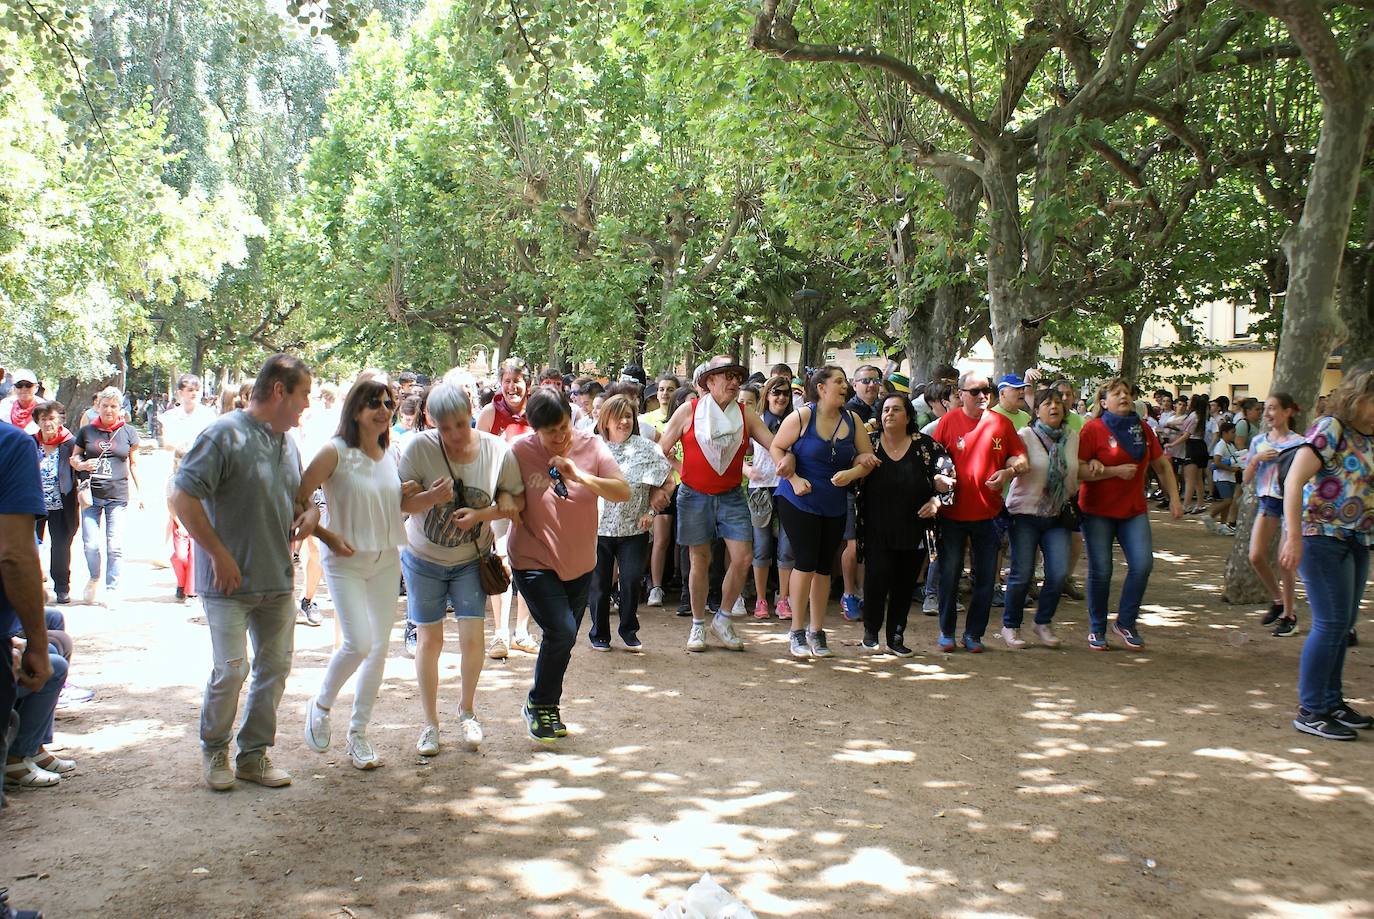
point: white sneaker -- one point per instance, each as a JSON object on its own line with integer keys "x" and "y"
{"x": 930, "y": 605}
{"x": 726, "y": 633}
{"x": 696, "y": 639}
{"x": 739, "y": 611}
{"x": 91, "y": 587}
{"x": 361, "y": 752}
{"x": 1210, "y": 523}
{"x": 1046, "y": 635}
{"x": 499, "y": 651}
{"x": 1013, "y": 638}
{"x": 428, "y": 744}
{"x": 316, "y": 727}
{"x": 655, "y": 597}
{"x": 1224, "y": 530}
{"x": 471, "y": 731}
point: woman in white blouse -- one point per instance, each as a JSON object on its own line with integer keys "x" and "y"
{"x": 362, "y": 533}
{"x": 622, "y": 533}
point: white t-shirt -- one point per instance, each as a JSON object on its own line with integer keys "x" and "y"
{"x": 180, "y": 429}
{"x": 1227, "y": 460}
{"x": 363, "y": 500}
{"x": 493, "y": 470}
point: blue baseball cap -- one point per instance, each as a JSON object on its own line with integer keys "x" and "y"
{"x": 1010, "y": 381}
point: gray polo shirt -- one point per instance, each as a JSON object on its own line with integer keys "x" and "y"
{"x": 246, "y": 476}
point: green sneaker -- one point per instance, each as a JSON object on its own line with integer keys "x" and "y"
{"x": 542, "y": 721}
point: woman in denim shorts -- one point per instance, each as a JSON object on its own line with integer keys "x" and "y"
{"x": 1262, "y": 468}
{"x": 463, "y": 480}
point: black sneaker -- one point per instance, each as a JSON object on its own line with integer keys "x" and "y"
{"x": 411, "y": 640}
{"x": 1351, "y": 718}
{"x": 869, "y": 645}
{"x": 1352, "y": 639}
{"x": 559, "y": 727}
{"x": 181, "y": 593}
{"x": 540, "y": 720}
{"x": 9, "y": 912}
{"x": 1286, "y": 627}
{"x": 600, "y": 644}
{"x": 1324, "y": 726}
{"x": 897, "y": 647}
{"x": 1275, "y": 613}
{"x": 63, "y": 598}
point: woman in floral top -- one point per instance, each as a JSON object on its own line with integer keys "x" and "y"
{"x": 1328, "y": 507}
{"x": 622, "y": 535}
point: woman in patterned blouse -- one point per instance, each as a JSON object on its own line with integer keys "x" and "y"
{"x": 622, "y": 533}
{"x": 1328, "y": 507}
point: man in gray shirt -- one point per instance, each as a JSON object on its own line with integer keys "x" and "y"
{"x": 235, "y": 492}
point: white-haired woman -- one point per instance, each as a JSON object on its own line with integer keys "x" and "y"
{"x": 469, "y": 479}
{"x": 106, "y": 455}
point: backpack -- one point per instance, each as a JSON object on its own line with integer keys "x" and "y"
{"x": 1285, "y": 458}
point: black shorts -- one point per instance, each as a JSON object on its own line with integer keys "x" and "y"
{"x": 814, "y": 539}
{"x": 1195, "y": 453}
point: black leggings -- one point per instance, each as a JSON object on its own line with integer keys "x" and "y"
{"x": 815, "y": 539}
{"x": 889, "y": 576}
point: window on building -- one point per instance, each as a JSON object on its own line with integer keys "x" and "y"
{"x": 1240, "y": 321}
{"x": 1238, "y": 393}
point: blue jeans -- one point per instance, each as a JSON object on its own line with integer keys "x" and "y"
{"x": 1028, "y": 533}
{"x": 114, "y": 540}
{"x": 1137, "y": 544}
{"x": 270, "y": 620}
{"x": 953, "y": 535}
{"x": 1334, "y": 571}
{"x": 702, "y": 517}
{"x": 431, "y": 587}
{"x": 36, "y": 707}
{"x": 557, "y": 606}
{"x": 629, "y": 553}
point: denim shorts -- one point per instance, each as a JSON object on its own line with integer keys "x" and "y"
{"x": 1271, "y": 507}
{"x": 702, "y": 517}
{"x": 1225, "y": 490}
{"x": 431, "y": 587}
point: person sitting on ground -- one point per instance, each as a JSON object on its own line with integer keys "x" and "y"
{"x": 29, "y": 763}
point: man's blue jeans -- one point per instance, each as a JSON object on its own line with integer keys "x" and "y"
{"x": 1028, "y": 533}
{"x": 1334, "y": 571}
{"x": 558, "y": 607}
{"x": 982, "y": 535}
{"x": 1133, "y": 533}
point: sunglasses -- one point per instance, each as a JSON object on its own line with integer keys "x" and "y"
{"x": 560, "y": 487}
{"x": 867, "y": 381}
{"x": 575, "y": 391}
{"x": 980, "y": 391}
{"x": 377, "y": 402}
{"x": 23, "y": 385}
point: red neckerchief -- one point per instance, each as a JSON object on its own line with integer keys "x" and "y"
{"x": 99, "y": 425}
{"x": 62, "y": 436}
{"x": 504, "y": 416}
{"x": 21, "y": 415}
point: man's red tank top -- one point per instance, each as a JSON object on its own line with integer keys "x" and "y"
{"x": 698, "y": 473}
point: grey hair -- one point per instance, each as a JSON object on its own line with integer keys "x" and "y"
{"x": 970, "y": 374}
{"x": 109, "y": 392}
{"x": 448, "y": 401}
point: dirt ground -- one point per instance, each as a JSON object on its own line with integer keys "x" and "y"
{"x": 1040, "y": 783}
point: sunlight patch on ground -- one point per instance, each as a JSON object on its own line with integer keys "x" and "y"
{"x": 1259, "y": 905}
{"x": 872, "y": 753}
{"x": 546, "y": 878}
{"x": 880, "y": 868}
{"x": 121, "y": 736}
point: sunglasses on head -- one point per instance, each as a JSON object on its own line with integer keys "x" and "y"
{"x": 377, "y": 402}
{"x": 560, "y": 487}
{"x": 980, "y": 391}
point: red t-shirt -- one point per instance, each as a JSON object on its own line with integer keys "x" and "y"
{"x": 1119, "y": 499}
{"x": 979, "y": 447}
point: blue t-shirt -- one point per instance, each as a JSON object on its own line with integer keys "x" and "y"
{"x": 21, "y": 492}
{"x": 817, "y": 460}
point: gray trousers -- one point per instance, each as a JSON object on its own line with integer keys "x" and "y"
{"x": 270, "y": 621}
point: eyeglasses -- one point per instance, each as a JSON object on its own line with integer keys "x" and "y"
{"x": 560, "y": 487}
{"x": 980, "y": 391}
{"x": 867, "y": 381}
{"x": 23, "y": 384}
{"x": 377, "y": 402}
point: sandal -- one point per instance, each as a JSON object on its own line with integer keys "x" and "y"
{"x": 46, "y": 759}
{"x": 27, "y": 774}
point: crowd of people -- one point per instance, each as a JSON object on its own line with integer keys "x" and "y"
{"x": 543, "y": 497}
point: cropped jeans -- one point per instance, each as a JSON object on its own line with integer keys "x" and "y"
{"x": 1334, "y": 571}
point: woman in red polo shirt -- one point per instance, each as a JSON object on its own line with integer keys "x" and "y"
{"x": 1114, "y": 451}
